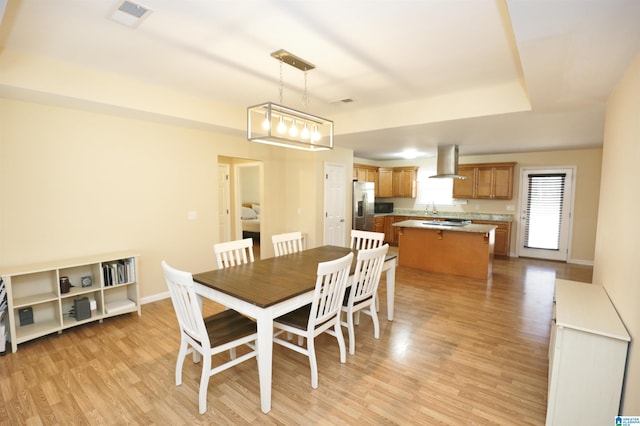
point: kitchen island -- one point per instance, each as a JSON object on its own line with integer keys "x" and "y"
{"x": 452, "y": 248}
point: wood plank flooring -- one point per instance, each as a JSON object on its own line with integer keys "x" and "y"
{"x": 459, "y": 351}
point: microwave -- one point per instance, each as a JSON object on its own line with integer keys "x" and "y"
{"x": 380, "y": 207}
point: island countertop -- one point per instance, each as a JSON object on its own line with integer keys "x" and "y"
{"x": 420, "y": 224}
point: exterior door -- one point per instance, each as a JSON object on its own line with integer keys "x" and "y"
{"x": 334, "y": 205}
{"x": 546, "y": 213}
{"x": 224, "y": 203}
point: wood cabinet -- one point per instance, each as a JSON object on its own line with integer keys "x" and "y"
{"x": 491, "y": 181}
{"x": 385, "y": 182}
{"x": 366, "y": 173}
{"x": 405, "y": 182}
{"x": 37, "y": 305}
{"x": 391, "y": 232}
{"x": 587, "y": 356}
{"x": 502, "y": 245}
{"x": 399, "y": 182}
{"x": 379, "y": 224}
{"x": 465, "y": 188}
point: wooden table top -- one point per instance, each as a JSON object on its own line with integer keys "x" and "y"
{"x": 269, "y": 281}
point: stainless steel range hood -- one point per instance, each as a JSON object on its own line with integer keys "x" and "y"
{"x": 448, "y": 162}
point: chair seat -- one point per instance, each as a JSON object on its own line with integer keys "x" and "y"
{"x": 345, "y": 301}
{"x": 298, "y": 318}
{"x": 228, "y": 326}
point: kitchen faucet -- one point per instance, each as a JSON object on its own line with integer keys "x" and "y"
{"x": 434, "y": 210}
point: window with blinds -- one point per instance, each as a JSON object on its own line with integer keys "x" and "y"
{"x": 544, "y": 211}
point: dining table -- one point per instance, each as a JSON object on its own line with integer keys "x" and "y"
{"x": 268, "y": 288}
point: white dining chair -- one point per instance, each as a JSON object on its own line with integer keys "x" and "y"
{"x": 232, "y": 253}
{"x": 360, "y": 295}
{"x": 363, "y": 240}
{"x": 206, "y": 337}
{"x": 291, "y": 242}
{"x": 319, "y": 316}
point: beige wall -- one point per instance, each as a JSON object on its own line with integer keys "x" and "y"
{"x": 74, "y": 182}
{"x": 617, "y": 256}
{"x": 587, "y": 188}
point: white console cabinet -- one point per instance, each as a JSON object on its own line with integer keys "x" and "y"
{"x": 587, "y": 356}
{"x": 37, "y": 306}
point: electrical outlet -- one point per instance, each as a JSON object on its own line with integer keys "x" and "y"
{"x": 192, "y": 215}
{"x": 511, "y": 207}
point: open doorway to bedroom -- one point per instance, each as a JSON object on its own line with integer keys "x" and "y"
{"x": 245, "y": 197}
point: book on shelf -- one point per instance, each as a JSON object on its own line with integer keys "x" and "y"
{"x": 118, "y": 272}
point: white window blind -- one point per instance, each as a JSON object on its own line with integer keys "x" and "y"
{"x": 544, "y": 211}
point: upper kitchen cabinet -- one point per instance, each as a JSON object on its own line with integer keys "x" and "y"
{"x": 490, "y": 181}
{"x": 465, "y": 188}
{"x": 366, "y": 173}
{"x": 405, "y": 182}
{"x": 397, "y": 182}
{"x": 385, "y": 182}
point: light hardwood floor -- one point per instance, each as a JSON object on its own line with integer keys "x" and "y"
{"x": 459, "y": 351}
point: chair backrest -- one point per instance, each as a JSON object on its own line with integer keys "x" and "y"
{"x": 234, "y": 253}
{"x": 367, "y": 274}
{"x": 331, "y": 282}
{"x": 290, "y": 242}
{"x": 365, "y": 240}
{"x": 185, "y": 303}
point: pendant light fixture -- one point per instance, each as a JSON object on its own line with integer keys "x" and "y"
{"x": 276, "y": 124}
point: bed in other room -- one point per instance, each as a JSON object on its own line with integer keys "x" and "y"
{"x": 251, "y": 221}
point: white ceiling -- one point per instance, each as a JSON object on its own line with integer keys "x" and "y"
{"x": 489, "y": 75}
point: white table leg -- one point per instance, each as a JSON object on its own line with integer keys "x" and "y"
{"x": 265, "y": 356}
{"x": 391, "y": 287}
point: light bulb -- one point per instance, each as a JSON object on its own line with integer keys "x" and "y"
{"x": 293, "y": 130}
{"x": 316, "y": 134}
{"x": 282, "y": 128}
{"x": 266, "y": 124}
{"x": 305, "y": 132}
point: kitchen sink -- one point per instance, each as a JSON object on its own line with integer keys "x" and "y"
{"x": 447, "y": 222}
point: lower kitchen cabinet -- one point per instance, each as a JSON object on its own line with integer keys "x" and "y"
{"x": 379, "y": 224}
{"x": 391, "y": 232}
{"x": 502, "y": 245}
{"x": 587, "y": 356}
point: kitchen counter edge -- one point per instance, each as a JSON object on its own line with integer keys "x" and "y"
{"x": 496, "y": 217}
{"x": 419, "y": 224}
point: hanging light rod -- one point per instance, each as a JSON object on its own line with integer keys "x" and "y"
{"x": 293, "y": 60}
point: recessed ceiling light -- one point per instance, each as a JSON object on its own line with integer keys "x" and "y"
{"x": 409, "y": 154}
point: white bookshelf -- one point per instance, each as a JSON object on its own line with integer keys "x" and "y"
{"x": 114, "y": 290}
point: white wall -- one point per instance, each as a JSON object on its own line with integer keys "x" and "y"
{"x": 617, "y": 256}
{"x": 76, "y": 182}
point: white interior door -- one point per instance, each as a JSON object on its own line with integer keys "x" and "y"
{"x": 546, "y": 213}
{"x": 334, "y": 205}
{"x": 224, "y": 203}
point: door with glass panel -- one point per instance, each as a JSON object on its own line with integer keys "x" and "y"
{"x": 545, "y": 213}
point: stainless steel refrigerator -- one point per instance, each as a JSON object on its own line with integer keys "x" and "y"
{"x": 363, "y": 199}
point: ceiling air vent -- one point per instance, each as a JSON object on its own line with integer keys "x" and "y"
{"x": 341, "y": 101}
{"x": 129, "y": 13}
